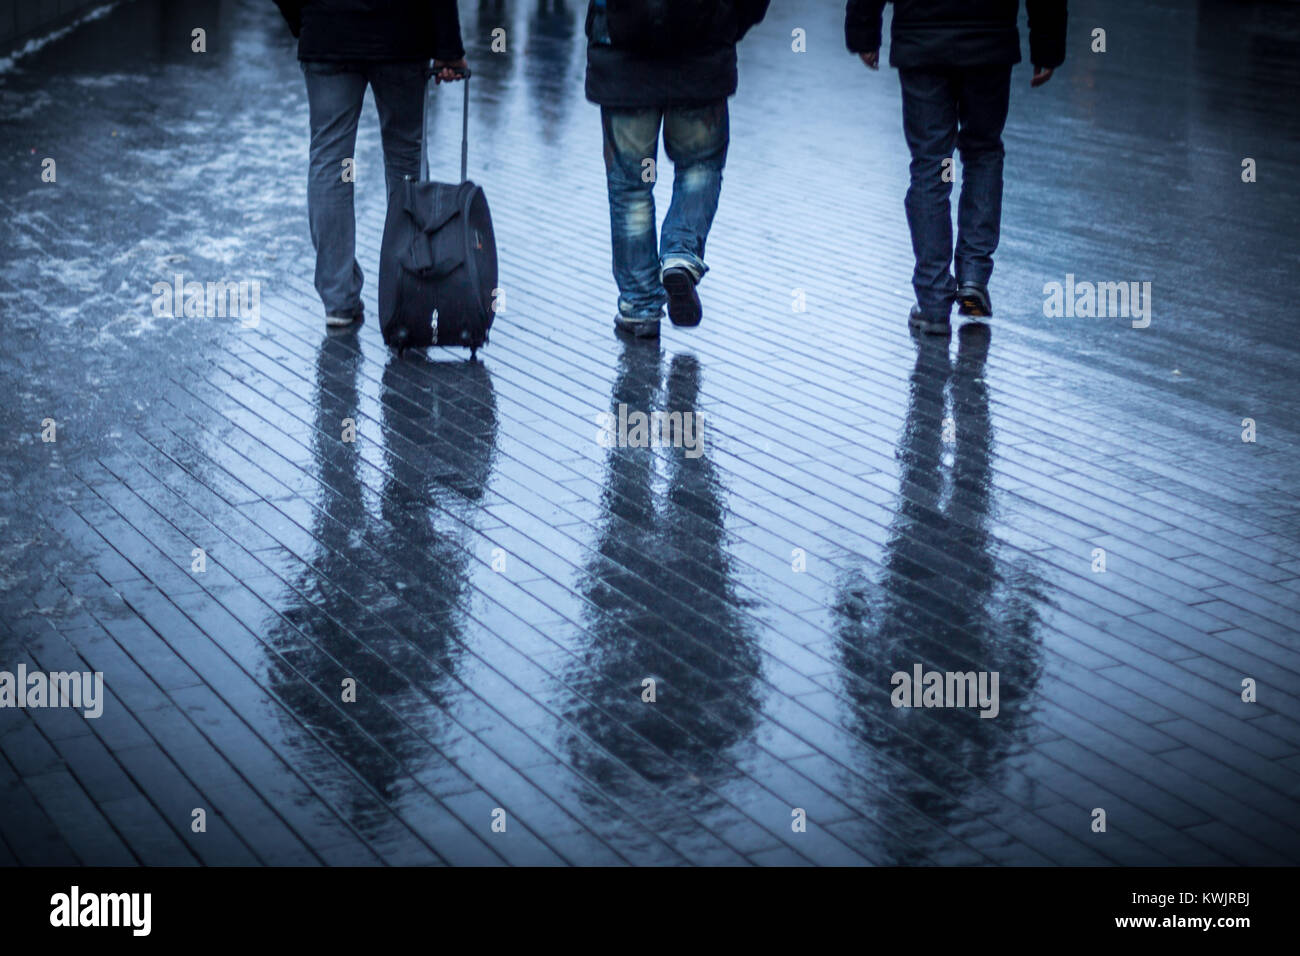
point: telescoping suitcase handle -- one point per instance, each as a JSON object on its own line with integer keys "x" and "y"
{"x": 464, "y": 75}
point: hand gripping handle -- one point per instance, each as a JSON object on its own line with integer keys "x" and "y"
{"x": 463, "y": 75}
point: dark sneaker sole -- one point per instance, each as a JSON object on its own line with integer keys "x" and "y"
{"x": 684, "y": 308}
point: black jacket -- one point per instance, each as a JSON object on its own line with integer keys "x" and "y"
{"x": 374, "y": 29}
{"x": 959, "y": 32}
{"x": 657, "y": 57}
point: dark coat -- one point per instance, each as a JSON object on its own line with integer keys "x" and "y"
{"x": 959, "y": 32}
{"x": 637, "y": 56}
{"x": 374, "y": 29}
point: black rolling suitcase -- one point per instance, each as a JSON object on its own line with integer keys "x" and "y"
{"x": 438, "y": 261}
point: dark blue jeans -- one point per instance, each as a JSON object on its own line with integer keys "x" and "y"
{"x": 335, "y": 93}
{"x": 695, "y": 139}
{"x": 942, "y": 108}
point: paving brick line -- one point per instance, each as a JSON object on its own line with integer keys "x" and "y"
{"x": 1273, "y": 542}
{"x": 146, "y": 836}
{"x": 848, "y": 251}
{"x": 1273, "y": 604}
{"x": 1141, "y": 790}
{"x": 847, "y": 255}
{"x": 168, "y": 692}
{"x": 1254, "y": 647}
{"x": 28, "y": 830}
{"x": 1176, "y": 846}
{"x": 93, "y": 650}
{"x": 1261, "y": 819}
{"x": 83, "y": 730}
{"x": 66, "y": 808}
{"x": 1196, "y": 250}
{"x": 60, "y": 743}
{"x": 154, "y": 667}
{"x": 1261, "y": 768}
{"x": 271, "y": 694}
{"x": 1226, "y": 674}
{"x": 1109, "y": 749}
{"x": 268, "y": 606}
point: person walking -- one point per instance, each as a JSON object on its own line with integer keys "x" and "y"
{"x": 343, "y": 46}
{"x": 954, "y": 60}
{"x": 669, "y": 64}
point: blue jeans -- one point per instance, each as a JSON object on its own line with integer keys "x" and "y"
{"x": 942, "y": 108}
{"x": 335, "y": 93}
{"x": 695, "y": 139}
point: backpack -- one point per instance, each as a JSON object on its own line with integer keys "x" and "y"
{"x": 667, "y": 27}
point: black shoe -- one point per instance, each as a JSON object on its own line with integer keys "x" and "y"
{"x": 684, "y": 306}
{"x": 931, "y": 325}
{"x": 637, "y": 326}
{"x": 338, "y": 320}
{"x": 973, "y": 300}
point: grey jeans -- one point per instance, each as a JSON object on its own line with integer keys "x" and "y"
{"x": 335, "y": 93}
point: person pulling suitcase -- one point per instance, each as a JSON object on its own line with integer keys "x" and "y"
{"x": 343, "y": 46}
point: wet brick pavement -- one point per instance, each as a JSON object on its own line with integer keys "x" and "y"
{"x": 499, "y": 585}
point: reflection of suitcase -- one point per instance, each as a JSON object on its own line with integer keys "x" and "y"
{"x": 438, "y": 261}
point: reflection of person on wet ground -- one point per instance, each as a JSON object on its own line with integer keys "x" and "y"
{"x": 943, "y": 600}
{"x": 662, "y": 606}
